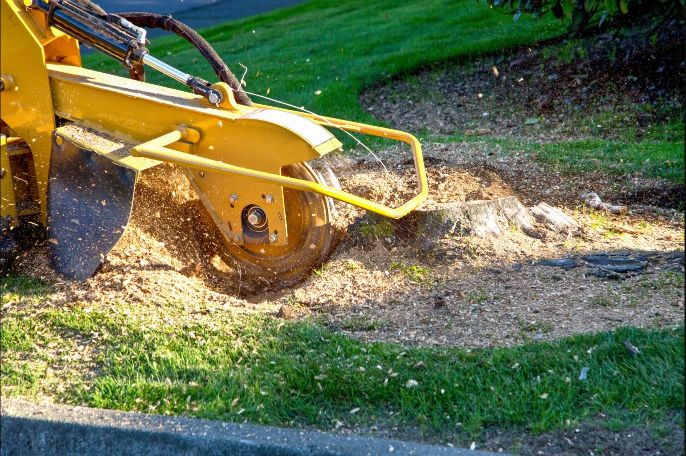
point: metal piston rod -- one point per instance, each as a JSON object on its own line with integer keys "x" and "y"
{"x": 118, "y": 41}
{"x": 198, "y": 85}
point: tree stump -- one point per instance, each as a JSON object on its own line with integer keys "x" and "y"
{"x": 554, "y": 219}
{"x": 481, "y": 218}
{"x": 472, "y": 218}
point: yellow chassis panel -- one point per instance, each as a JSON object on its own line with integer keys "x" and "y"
{"x": 26, "y": 105}
{"x": 156, "y": 149}
{"x": 8, "y": 208}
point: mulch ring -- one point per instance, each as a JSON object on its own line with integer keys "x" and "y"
{"x": 545, "y": 92}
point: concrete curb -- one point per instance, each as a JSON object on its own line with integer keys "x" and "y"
{"x": 33, "y": 429}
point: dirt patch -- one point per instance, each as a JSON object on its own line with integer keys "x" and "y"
{"x": 467, "y": 171}
{"x": 596, "y": 87}
{"x": 465, "y": 291}
{"x": 166, "y": 252}
{"x": 503, "y": 304}
{"x": 670, "y": 196}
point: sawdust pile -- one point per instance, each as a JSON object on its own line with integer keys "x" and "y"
{"x": 167, "y": 251}
{"x": 169, "y": 239}
{"x": 447, "y": 184}
{"x": 395, "y": 183}
{"x": 161, "y": 228}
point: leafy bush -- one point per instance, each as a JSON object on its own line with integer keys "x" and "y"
{"x": 584, "y": 13}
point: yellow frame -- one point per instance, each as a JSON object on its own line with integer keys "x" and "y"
{"x": 156, "y": 149}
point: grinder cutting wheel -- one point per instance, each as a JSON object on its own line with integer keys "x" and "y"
{"x": 74, "y": 141}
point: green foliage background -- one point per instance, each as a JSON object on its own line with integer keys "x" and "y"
{"x": 584, "y": 13}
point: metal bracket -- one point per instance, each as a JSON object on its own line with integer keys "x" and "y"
{"x": 156, "y": 149}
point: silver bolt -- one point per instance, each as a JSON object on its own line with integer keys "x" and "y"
{"x": 233, "y": 198}
{"x": 214, "y": 97}
{"x": 253, "y": 219}
{"x": 237, "y": 237}
{"x": 202, "y": 173}
{"x": 273, "y": 238}
{"x": 269, "y": 199}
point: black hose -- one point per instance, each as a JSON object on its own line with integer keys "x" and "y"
{"x": 168, "y": 23}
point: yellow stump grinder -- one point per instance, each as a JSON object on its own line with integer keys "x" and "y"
{"x": 74, "y": 141}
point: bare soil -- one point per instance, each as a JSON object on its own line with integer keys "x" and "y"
{"x": 661, "y": 438}
{"x": 592, "y": 438}
{"x": 596, "y": 87}
{"x": 466, "y": 291}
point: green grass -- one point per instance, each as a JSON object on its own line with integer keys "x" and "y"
{"x": 13, "y": 288}
{"x": 375, "y": 228}
{"x": 302, "y": 375}
{"x": 361, "y": 323}
{"x": 413, "y": 272}
{"x": 664, "y": 159}
{"x": 339, "y": 48}
{"x": 263, "y": 370}
{"x": 648, "y": 158}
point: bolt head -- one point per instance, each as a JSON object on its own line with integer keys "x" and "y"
{"x": 269, "y": 199}
{"x": 273, "y": 238}
{"x": 237, "y": 237}
{"x": 253, "y": 219}
{"x": 214, "y": 97}
{"x": 233, "y": 199}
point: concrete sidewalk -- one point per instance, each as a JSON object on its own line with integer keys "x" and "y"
{"x": 33, "y": 429}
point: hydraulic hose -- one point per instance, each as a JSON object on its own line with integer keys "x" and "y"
{"x": 168, "y": 23}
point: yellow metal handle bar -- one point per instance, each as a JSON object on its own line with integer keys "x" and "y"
{"x": 156, "y": 149}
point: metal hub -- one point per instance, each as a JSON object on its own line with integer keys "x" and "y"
{"x": 310, "y": 237}
{"x": 255, "y": 218}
